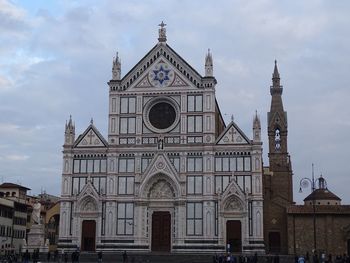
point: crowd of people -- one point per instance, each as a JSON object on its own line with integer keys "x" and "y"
{"x": 323, "y": 258}
{"x": 230, "y": 258}
{"x": 73, "y": 257}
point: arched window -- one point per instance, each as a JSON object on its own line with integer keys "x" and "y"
{"x": 277, "y": 139}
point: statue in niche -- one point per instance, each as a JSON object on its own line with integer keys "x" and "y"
{"x": 160, "y": 144}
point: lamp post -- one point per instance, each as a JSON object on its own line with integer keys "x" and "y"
{"x": 304, "y": 183}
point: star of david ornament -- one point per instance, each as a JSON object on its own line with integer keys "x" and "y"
{"x": 161, "y": 75}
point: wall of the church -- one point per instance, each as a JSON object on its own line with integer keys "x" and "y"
{"x": 163, "y": 160}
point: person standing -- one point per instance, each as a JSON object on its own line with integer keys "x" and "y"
{"x": 125, "y": 257}
{"x": 99, "y": 256}
{"x": 26, "y": 257}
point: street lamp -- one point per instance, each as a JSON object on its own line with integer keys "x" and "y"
{"x": 304, "y": 183}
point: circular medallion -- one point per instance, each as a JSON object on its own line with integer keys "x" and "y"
{"x": 161, "y": 75}
{"x": 161, "y": 114}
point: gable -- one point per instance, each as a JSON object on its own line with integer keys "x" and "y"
{"x": 162, "y": 67}
{"x": 233, "y": 135}
{"x": 276, "y": 119}
{"x": 90, "y": 138}
{"x": 161, "y": 75}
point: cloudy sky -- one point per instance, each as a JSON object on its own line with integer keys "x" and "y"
{"x": 56, "y": 57}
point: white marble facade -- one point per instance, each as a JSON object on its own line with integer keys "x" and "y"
{"x": 168, "y": 152}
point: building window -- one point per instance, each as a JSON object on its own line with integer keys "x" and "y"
{"x": 78, "y": 184}
{"x": 195, "y": 103}
{"x": 232, "y": 164}
{"x": 125, "y": 185}
{"x": 125, "y": 219}
{"x": 145, "y": 161}
{"x": 176, "y": 162}
{"x": 250, "y": 217}
{"x": 126, "y": 165}
{"x": 194, "y": 219}
{"x": 89, "y": 166}
{"x": 216, "y": 219}
{"x": 103, "y": 219}
{"x": 71, "y": 218}
{"x": 127, "y": 105}
{"x": 127, "y": 125}
{"x": 221, "y": 182}
{"x": 277, "y": 139}
{"x": 194, "y": 164}
{"x": 194, "y": 124}
{"x": 100, "y": 184}
{"x": 244, "y": 182}
{"x": 195, "y": 185}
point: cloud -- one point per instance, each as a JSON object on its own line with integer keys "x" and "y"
{"x": 54, "y": 64}
{"x": 16, "y": 157}
{"x": 10, "y": 14}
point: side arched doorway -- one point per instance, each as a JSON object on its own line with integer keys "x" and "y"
{"x": 88, "y": 235}
{"x": 234, "y": 235}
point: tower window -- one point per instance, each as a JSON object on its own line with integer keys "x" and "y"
{"x": 277, "y": 139}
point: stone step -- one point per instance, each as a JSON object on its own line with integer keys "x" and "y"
{"x": 148, "y": 258}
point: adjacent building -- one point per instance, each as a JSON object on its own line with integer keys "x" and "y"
{"x": 321, "y": 223}
{"x": 14, "y": 211}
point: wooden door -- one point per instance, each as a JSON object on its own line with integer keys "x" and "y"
{"x": 161, "y": 231}
{"x": 275, "y": 242}
{"x": 234, "y": 235}
{"x": 88, "y": 235}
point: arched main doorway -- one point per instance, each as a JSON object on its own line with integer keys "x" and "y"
{"x": 161, "y": 231}
{"x": 88, "y": 235}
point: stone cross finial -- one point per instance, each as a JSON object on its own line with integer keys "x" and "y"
{"x": 162, "y": 32}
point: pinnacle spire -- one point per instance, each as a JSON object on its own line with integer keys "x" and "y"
{"x": 256, "y": 121}
{"x": 116, "y": 68}
{"x": 208, "y": 64}
{"x": 276, "y": 76}
{"x": 69, "y": 131}
{"x": 256, "y": 127}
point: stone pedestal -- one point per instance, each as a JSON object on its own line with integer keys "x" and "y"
{"x": 36, "y": 239}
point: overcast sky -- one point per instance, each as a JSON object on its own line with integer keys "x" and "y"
{"x": 56, "y": 57}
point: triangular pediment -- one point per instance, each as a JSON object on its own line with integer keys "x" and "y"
{"x": 233, "y": 198}
{"x": 161, "y": 68}
{"x": 88, "y": 190}
{"x": 277, "y": 119}
{"x": 232, "y": 135}
{"x": 160, "y": 167}
{"x": 91, "y": 137}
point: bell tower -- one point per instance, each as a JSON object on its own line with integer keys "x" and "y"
{"x": 277, "y": 126}
{"x": 278, "y": 184}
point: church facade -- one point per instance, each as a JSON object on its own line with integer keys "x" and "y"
{"x": 171, "y": 175}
